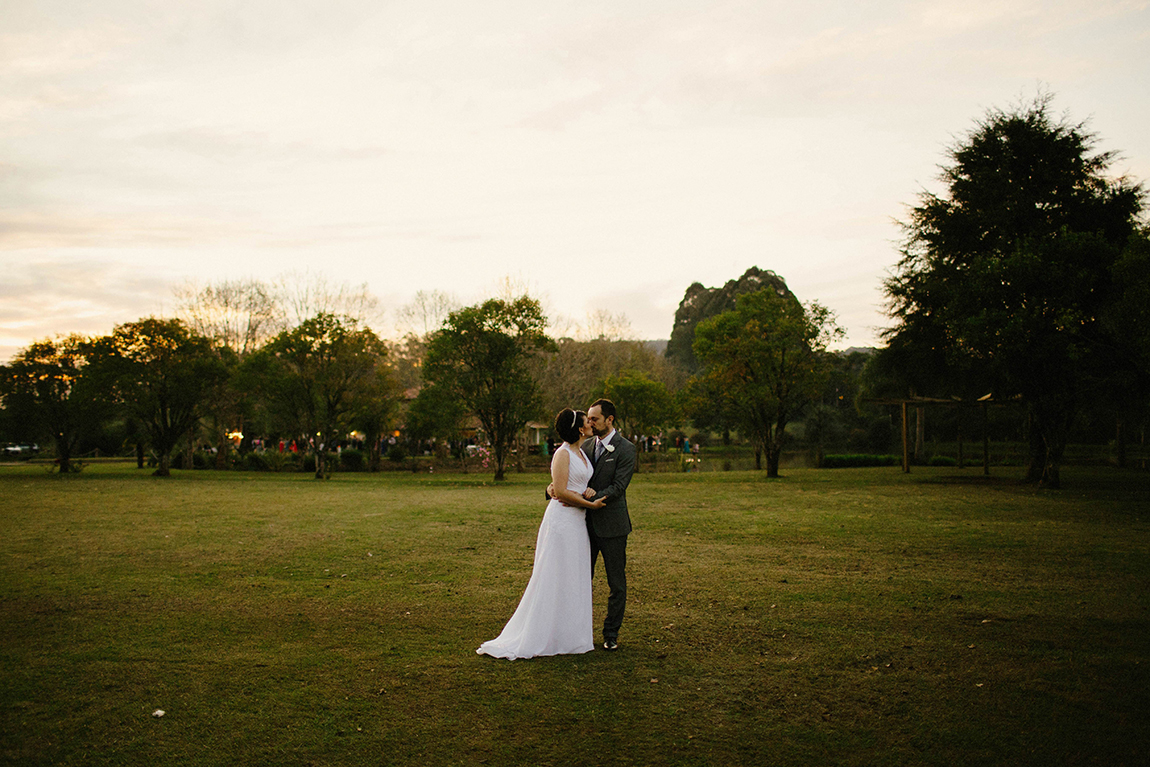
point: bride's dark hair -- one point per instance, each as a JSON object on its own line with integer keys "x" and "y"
{"x": 568, "y": 423}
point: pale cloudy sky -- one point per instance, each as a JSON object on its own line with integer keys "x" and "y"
{"x": 606, "y": 154}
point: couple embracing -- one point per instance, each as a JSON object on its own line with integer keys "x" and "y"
{"x": 586, "y": 516}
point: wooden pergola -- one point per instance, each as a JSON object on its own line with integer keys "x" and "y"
{"x": 983, "y": 402}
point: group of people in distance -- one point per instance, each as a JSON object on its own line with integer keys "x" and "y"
{"x": 586, "y": 517}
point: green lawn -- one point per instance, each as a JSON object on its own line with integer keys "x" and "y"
{"x": 828, "y": 617}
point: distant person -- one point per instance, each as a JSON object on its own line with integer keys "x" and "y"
{"x": 554, "y": 615}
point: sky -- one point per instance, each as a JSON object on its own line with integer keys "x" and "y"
{"x": 603, "y": 155}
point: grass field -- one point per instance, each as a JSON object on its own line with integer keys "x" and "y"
{"x": 825, "y": 618}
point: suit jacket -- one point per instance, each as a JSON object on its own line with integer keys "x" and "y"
{"x": 609, "y": 480}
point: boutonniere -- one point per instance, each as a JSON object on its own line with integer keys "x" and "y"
{"x": 610, "y": 448}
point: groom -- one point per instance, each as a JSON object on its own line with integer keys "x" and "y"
{"x": 613, "y": 458}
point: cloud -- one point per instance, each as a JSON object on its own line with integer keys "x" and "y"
{"x": 63, "y": 228}
{"x": 45, "y": 298}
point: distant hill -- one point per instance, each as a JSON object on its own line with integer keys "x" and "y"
{"x": 700, "y": 303}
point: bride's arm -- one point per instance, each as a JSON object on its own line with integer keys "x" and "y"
{"x": 560, "y": 465}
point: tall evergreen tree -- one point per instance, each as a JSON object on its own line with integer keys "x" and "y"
{"x": 1011, "y": 270}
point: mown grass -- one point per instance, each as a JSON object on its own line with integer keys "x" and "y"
{"x": 854, "y": 616}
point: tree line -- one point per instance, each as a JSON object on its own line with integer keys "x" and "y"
{"x": 1024, "y": 280}
{"x": 173, "y": 381}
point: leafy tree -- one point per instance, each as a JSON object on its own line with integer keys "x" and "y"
{"x": 49, "y": 385}
{"x": 376, "y": 403}
{"x": 767, "y": 358}
{"x": 643, "y": 405}
{"x": 227, "y": 406}
{"x": 481, "y": 357}
{"x": 700, "y": 303}
{"x": 573, "y": 376}
{"x": 161, "y": 373}
{"x": 709, "y": 406}
{"x": 1007, "y": 276}
{"x": 1127, "y": 320}
{"x": 316, "y": 377}
{"x": 837, "y": 417}
{"x": 437, "y": 413}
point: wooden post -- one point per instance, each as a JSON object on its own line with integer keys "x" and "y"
{"x": 905, "y": 445}
{"x": 985, "y": 439}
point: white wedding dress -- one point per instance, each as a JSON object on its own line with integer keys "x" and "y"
{"x": 554, "y": 615}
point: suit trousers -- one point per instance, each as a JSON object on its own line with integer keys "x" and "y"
{"x": 615, "y": 566}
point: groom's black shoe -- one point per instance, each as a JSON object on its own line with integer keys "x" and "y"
{"x": 610, "y": 644}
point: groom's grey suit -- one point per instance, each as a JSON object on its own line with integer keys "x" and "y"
{"x": 608, "y": 527}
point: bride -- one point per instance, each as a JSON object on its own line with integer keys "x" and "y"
{"x": 554, "y": 615}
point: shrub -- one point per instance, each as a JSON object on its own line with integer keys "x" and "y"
{"x": 396, "y": 454}
{"x": 256, "y": 462}
{"x": 859, "y": 460}
{"x": 942, "y": 460}
{"x": 352, "y": 460}
{"x": 276, "y": 461}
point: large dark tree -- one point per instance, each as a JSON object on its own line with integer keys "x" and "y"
{"x": 376, "y": 402}
{"x": 49, "y": 386}
{"x": 1128, "y": 320}
{"x": 319, "y": 376}
{"x": 700, "y": 302}
{"x": 1128, "y": 317}
{"x": 481, "y": 357}
{"x": 1007, "y": 275}
{"x": 162, "y": 374}
{"x": 767, "y": 360}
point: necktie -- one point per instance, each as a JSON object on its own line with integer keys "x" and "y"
{"x": 598, "y": 450}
